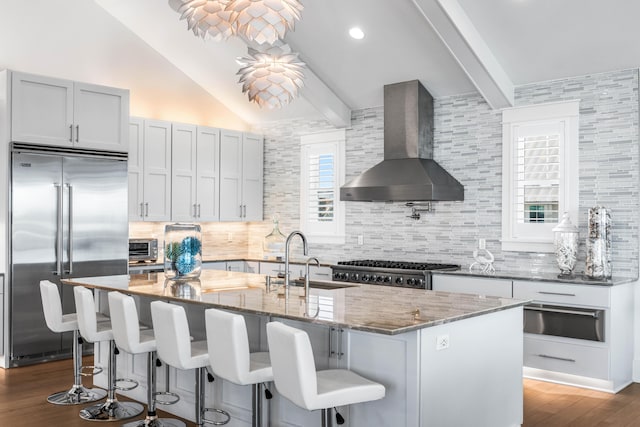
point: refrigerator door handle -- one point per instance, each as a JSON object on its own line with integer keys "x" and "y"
{"x": 58, "y": 249}
{"x": 70, "y": 244}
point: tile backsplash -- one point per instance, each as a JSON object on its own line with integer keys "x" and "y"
{"x": 468, "y": 143}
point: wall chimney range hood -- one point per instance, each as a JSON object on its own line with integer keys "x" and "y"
{"x": 408, "y": 171}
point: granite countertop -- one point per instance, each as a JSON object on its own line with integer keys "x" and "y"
{"x": 378, "y": 309}
{"x": 578, "y": 278}
{"x": 212, "y": 259}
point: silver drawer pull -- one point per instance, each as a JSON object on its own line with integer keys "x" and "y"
{"x": 593, "y": 314}
{"x": 322, "y": 274}
{"x": 564, "y": 359}
{"x": 556, "y": 293}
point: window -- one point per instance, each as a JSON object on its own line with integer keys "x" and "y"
{"x": 540, "y": 173}
{"x": 322, "y": 174}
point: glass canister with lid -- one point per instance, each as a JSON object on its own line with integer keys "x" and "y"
{"x": 182, "y": 251}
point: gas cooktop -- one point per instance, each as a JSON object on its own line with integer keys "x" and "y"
{"x": 402, "y": 265}
{"x": 388, "y": 273}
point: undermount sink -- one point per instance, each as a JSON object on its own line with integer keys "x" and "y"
{"x": 322, "y": 284}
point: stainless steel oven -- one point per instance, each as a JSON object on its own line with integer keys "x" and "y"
{"x": 143, "y": 250}
{"x": 564, "y": 321}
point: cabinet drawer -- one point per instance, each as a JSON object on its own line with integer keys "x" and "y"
{"x": 472, "y": 285}
{"x": 562, "y": 293}
{"x": 567, "y": 358}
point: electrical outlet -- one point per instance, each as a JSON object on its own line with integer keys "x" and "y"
{"x": 442, "y": 342}
{"x": 229, "y": 237}
{"x": 482, "y": 244}
{"x": 361, "y": 239}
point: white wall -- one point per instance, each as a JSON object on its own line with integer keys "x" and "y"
{"x": 78, "y": 40}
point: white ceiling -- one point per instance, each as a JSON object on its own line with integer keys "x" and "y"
{"x": 523, "y": 41}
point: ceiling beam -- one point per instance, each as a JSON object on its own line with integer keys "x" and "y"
{"x": 458, "y": 33}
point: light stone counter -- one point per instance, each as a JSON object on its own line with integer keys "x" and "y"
{"x": 378, "y": 309}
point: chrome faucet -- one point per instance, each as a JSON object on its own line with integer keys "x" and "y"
{"x": 306, "y": 277}
{"x": 305, "y": 249}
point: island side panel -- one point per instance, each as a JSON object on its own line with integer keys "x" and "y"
{"x": 477, "y": 380}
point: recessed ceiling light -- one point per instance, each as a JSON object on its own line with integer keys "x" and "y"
{"x": 356, "y": 33}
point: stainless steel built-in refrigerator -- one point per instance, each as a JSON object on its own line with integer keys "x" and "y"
{"x": 68, "y": 219}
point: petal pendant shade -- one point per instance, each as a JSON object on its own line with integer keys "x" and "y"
{"x": 271, "y": 79}
{"x": 206, "y": 18}
{"x": 265, "y": 21}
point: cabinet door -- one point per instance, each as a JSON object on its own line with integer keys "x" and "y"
{"x": 157, "y": 170}
{"x": 252, "y": 179}
{"x": 230, "y": 175}
{"x": 135, "y": 169}
{"x": 486, "y": 286}
{"x": 208, "y": 174}
{"x": 183, "y": 172}
{"x": 100, "y": 117}
{"x": 41, "y": 110}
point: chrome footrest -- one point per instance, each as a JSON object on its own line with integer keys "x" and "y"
{"x": 131, "y": 381}
{"x": 218, "y": 411}
{"x": 95, "y": 370}
{"x": 77, "y": 395}
{"x": 166, "y": 398}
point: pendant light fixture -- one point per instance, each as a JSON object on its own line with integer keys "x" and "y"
{"x": 265, "y": 21}
{"x": 271, "y": 79}
{"x": 206, "y": 18}
{"x": 270, "y": 76}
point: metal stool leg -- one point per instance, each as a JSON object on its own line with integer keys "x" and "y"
{"x": 152, "y": 419}
{"x": 200, "y": 409}
{"x": 78, "y": 394}
{"x": 256, "y": 405}
{"x": 112, "y": 409}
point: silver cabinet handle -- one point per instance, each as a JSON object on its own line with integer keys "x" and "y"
{"x": 142, "y": 209}
{"x": 593, "y": 314}
{"x": 564, "y": 359}
{"x": 58, "y": 270}
{"x": 337, "y": 354}
{"x": 556, "y": 293}
{"x": 244, "y": 210}
{"x": 322, "y": 274}
{"x": 240, "y": 211}
{"x": 70, "y": 244}
{"x": 198, "y": 210}
{"x": 70, "y": 133}
{"x": 195, "y": 211}
{"x": 146, "y": 209}
{"x": 77, "y": 133}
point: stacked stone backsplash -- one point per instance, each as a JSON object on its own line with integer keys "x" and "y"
{"x": 468, "y": 143}
{"x": 215, "y": 242}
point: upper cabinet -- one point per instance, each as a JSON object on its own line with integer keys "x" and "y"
{"x": 63, "y": 113}
{"x": 195, "y": 173}
{"x": 149, "y": 170}
{"x": 241, "y": 180}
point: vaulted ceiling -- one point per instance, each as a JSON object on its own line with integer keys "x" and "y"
{"x": 451, "y": 46}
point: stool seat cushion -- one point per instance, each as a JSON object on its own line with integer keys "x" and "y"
{"x": 338, "y": 387}
{"x": 199, "y": 355}
{"x": 229, "y": 350}
{"x": 90, "y": 329}
{"x": 52, "y": 309}
{"x": 129, "y": 335}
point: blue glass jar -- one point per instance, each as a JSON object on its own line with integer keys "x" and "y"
{"x": 182, "y": 251}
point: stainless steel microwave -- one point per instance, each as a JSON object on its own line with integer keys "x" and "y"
{"x": 143, "y": 249}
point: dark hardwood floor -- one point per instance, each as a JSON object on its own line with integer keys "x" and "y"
{"x": 23, "y": 402}
{"x": 24, "y": 391}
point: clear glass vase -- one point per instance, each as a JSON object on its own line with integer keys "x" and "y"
{"x": 182, "y": 251}
{"x": 273, "y": 243}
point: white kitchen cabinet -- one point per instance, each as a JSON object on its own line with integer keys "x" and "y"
{"x": 599, "y": 365}
{"x": 195, "y": 176}
{"x": 59, "y": 112}
{"x": 241, "y": 176}
{"x": 488, "y": 286}
{"x": 149, "y": 168}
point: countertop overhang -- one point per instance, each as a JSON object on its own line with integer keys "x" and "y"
{"x": 379, "y": 309}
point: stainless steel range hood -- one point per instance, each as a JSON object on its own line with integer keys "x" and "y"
{"x": 408, "y": 171}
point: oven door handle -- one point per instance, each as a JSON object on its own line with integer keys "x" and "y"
{"x": 595, "y": 314}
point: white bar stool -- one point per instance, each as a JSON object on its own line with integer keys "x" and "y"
{"x": 230, "y": 358}
{"x": 92, "y": 331}
{"x": 134, "y": 340}
{"x": 59, "y": 323}
{"x": 175, "y": 348}
{"x": 296, "y": 378}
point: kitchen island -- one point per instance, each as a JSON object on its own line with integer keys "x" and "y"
{"x": 446, "y": 359}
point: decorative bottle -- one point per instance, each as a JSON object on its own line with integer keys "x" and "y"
{"x": 598, "y": 264}
{"x": 565, "y": 239}
{"x": 273, "y": 243}
{"x": 182, "y": 251}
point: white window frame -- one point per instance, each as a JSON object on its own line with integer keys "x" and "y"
{"x": 566, "y": 115}
{"x": 331, "y": 141}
